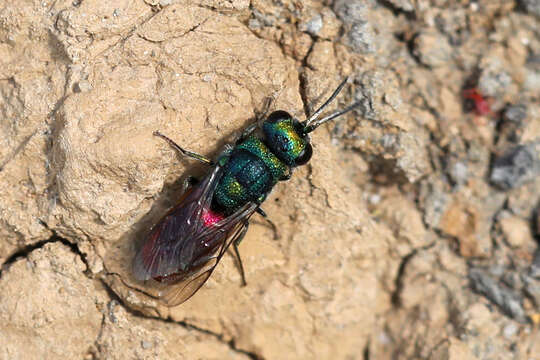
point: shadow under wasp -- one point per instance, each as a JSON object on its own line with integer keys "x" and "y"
{"x": 183, "y": 249}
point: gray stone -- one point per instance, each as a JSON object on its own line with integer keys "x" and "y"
{"x": 515, "y": 113}
{"x": 517, "y": 166}
{"x": 531, "y": 6}
{"x": 507, "y": 299}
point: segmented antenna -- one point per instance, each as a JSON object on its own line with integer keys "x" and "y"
{"x": 312, "y": 122}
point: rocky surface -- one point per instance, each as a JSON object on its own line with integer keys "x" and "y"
{"x": 413, "y": 232}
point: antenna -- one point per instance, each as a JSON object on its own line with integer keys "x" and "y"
{"x": 312, "y": 122}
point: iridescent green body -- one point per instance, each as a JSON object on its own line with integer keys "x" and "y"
{"x": 184, "y": 248}
{"x": 257, "y": 163}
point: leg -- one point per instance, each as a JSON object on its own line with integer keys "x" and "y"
{"x": 182, "y": 151}
{"x": 189, "y": 182}
{"x": 287, "y": 176}
{"x": 265, "y": 217}
{"x": 266, "y": 106}
{"x": 235, "y": 244}
{"x": 261, "y": 212}
{"x": 240, "y": 265}
{"x": 247, "y": 131}
{"x": 258, "y": 115}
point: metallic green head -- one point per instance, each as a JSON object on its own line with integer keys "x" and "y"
{"x": 287, "y": 139}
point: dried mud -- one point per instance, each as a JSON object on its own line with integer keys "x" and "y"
{"x": 412, "y": 234}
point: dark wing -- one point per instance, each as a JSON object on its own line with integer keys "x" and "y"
{"x": 175, "y": 294}
{"x": 181, "y": 252}
{"x": 170, "y": 244}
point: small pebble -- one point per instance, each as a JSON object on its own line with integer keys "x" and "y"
{"x": 510, "y": 330}
{"x": 313, "y": 26}
{"x": 530, "y": 6}
{"x": 516, "y": 231}
{"x": 515, "y": 167}
{"x": 508, "y": 300}
{"x": 494, "y": 82}
{"x": 432, "y": 48}
{"x": 515, "y": 113}
{"x": 82, "y": 86}
{"x": 458, "y": 172}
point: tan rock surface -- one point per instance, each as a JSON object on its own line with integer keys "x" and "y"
{"x": 390, "y": 244}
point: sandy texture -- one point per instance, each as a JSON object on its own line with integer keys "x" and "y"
{"x": 412, "y": 234}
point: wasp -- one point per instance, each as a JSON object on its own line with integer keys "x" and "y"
{"x": 182, "y": 250}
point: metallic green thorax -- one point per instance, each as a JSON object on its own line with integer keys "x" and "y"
{"x": 250, "y": 171}
{"x": 256, "y": 147}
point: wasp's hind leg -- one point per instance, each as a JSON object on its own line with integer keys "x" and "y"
{"x": 240, "y": 237}
{"x": 184, "y": 152}
{"x": 235, "y": 244}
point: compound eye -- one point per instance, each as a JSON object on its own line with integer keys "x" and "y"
{"x": 278, "y": 116}
{"x": 304, "y": 156}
